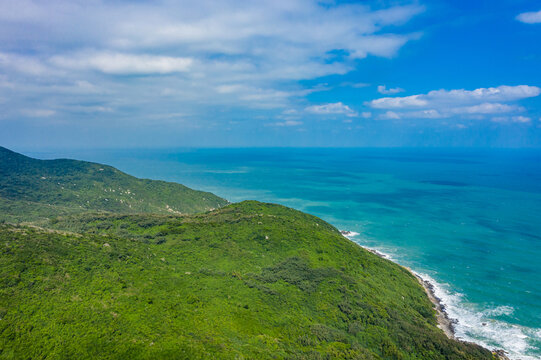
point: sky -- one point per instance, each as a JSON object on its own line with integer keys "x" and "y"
{"x": 237, "y": 73}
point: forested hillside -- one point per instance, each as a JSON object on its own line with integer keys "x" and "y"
{"x": 31, "y": 189}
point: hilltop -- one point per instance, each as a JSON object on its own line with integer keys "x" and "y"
{"x": 31, "y": 189}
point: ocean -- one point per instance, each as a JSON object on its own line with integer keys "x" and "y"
{"x": 468, "y": 220}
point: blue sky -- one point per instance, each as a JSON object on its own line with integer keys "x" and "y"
{"x": 208, "y": 73}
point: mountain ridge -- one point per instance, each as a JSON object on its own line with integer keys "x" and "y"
{"x": 66, "y": 186}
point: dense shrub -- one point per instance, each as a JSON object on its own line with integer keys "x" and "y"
{"x": 105, "y": 286}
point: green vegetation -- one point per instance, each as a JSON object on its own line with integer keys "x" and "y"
{"x": 32, "y": 189}
{"x": 246, "y": 281}
{"x": 253, "y": 280}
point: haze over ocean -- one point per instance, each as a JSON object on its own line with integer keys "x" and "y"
{"x": 466, "y": 218}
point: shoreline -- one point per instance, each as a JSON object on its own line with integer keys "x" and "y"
{"x": 445, "y": 323}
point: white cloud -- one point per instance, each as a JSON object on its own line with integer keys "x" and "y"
{"x": 119, "y": 63}
{"x": 261, "y": 97}
{"x": 197, "y": 47}
{"x": 24, "y": 64}
{"x": 458, "y": 97}
{"x": 482, "y": 109}
{"x": 379, "y": 45}
{"x": 290, "y": 112}
{"x": 389, "y": 115}
{"x": 356, "y": 85}
{"x": 533, "y": 17}
{"x": 382, "y": 89}
{"x": 500, "y": 93}
{"x": 486, "y": 108}
{"x": 521, "y": 119}
{"x": 512, "y": 119}
{"x": 331, "y": 109}
{"x": 287, "y": 123}
{"x": 477, "y": 103}
{"x": 229, "y": 88}
{"x": 295, "y": 27}
{"x": 399, "y": 102}
{"x": 420, "y": 114}
{"x": 88, "y": 109}
{"x": 427, "y": 114}
{"x": 366, "y": 114}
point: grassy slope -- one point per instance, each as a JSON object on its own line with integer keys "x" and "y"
{"x": 249, "y": 280}
{"x": 31, "y": 189}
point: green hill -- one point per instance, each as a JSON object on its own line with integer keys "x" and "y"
{"x": 251, "y": 280}
{"x": 32, "y": 189}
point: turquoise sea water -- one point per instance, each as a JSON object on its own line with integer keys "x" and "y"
{"x": 469, "y": 220}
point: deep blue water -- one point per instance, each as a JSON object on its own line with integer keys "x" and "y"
{"x": 470, "y": 220}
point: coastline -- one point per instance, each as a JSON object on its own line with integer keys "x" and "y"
{"x": 445, "y": 323}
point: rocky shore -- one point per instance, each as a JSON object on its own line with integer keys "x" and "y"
{"x": 445, "y": 323}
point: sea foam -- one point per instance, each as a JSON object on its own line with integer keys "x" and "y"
{"x": 479, "y": 325}
{"x": 473, "y": 323}
{"x": 352, "y": 235}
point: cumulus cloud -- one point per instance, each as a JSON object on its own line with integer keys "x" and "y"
{"x": 389, "y": 115}
{"x": 382, "y": 89}
{"x": 331, "y": 109}
{"x": 453, "y": 97}
{"x": 399, "y": 102}
{"x": 486, "y": 108}
{"x": 194, "y": 53}
{"x": 533, "y": 17}
{"x": 449, "y": 103}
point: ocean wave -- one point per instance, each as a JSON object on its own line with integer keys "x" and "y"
{"x": 352, "y": 235}
{"x": 473, "y": 323}
{"x": 500, "y": 310}
{"x": 480, "y": 326}
{"x": 349, "y": 234}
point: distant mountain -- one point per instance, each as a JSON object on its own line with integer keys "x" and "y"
{"x": 32, "y": 189}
